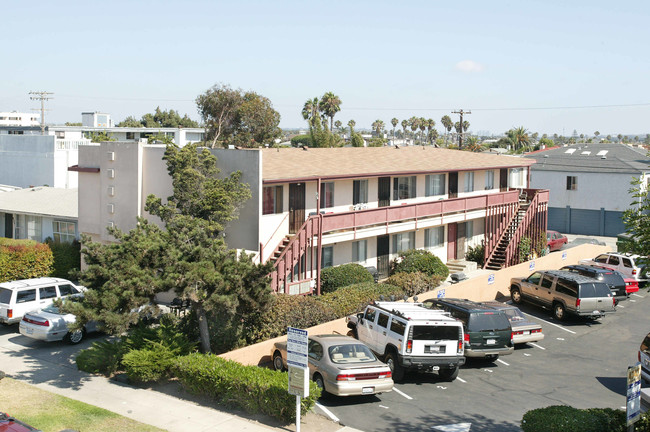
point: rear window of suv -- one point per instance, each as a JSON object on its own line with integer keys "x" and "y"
{"x": 5, "y": 295}
{"x": 488, "y": 321}
{"x": 435, "y": 333}
{"x": 591, "y": 290}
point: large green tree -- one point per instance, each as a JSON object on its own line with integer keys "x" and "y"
{"x": 448, "y": 124}
{"x": 637, "y": 219}
{"x": 160, "y": 118}
{"x": 189, "y": 255}
{"x": 329, "y": 105}
{"x": 237, "y": 117}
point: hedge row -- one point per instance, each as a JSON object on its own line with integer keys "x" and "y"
{"x": 332, "y": 278}
{"x": 561, "y": 418}
{"x": 24, "y": 259}
{"x": 418, "y": 260}
{"x": 354, "y": 298}
{"x": 414, "y": 283}
{"x": 67, "y": 257}
{"x": 251, "y": 388}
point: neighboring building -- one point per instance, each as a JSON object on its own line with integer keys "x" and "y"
{"x": 32, "y": 159}
{"x": 39, "y": 213}
{"x": 343, "y": 205}
{"x": 589, "y": 185}
{"x": 15, "y": 118}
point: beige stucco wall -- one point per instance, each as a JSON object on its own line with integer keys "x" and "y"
{"x": 477, "y": 288}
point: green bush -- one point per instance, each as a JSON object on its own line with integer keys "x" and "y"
{"x": 332, "y": 278}
{"x": 476, "y": 254}
{"x": 288, "y": 311}
{"x": 103, "y": 357}
{"x": 414, "y": 283}
{"x": 559, "y": 418}
{"x": 302, "y": 140}
{"x": 24, "y": 259}
{"x": 67, "y": 257}
{"x": 150, "y": 364}
{"x": 418, "y": 260}
{"x": 351, "y": 299}
{"x": 253, "y": 389}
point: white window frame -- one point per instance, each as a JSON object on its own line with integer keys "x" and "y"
{"x": 435, "y": 185}
{"x": 434, "y": 237}
{"x": 468, "y": 185}
{"x": 489, "y": 180}
{"x": 61, "y": 231}
{"x": 360, "y": 251}
{"x": 403, "y": 241}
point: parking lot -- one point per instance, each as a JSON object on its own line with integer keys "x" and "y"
{"x": 581, "y": 363}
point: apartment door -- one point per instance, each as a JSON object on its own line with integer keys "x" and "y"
{"x": 383, "y": 196}
{"x": 9, "y": 225}
{"x": 460, "y": 240}
{"x": 296, "y": 206}
{"x": 453, "y": 184}
{"x": 451, "y": 241}
{"x": 503, "y": 179}
{"x": 383, "y": 256}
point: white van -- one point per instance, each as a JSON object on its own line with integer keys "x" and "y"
{"x": 22, "y": 296}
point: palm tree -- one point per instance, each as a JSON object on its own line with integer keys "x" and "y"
{"x": 447, "y": 124}
{"x": 329, "y": 105}
{"x": 337, "y": 125}
{"x": 473, "y": 144}
{"x": 430, "y": 125}
{"x": 404, "y": 124}
{"x": 394, "y": 122}
{"x": 310, "y": 109}
{"x": 378, "y": 126}
{"x": 422, "y": 124}
{"x": 352, "y": 124}
{"x": 520, "y": 138}
{"x": 414, "y": 123}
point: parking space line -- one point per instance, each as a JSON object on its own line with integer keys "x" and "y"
{"x": 620, "y": 306}
{"x": 501, "y": 361}
{"x": 536, "y": 346}
{"x": 636, "y": 295}
{"x": 329, "y": 413}
{"x": 461, "y": 380}
{"x": 402, "y": 393}
{"x": 556, "y": 325}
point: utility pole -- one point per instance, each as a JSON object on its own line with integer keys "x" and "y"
{"x": 460, "y": 135}
{"x": 41, "y": 96}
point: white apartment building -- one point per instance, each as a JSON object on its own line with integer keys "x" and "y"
{"x": 15, "y": 118}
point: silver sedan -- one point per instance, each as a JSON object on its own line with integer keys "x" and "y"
{"x": 340, "y": 365}
{"x": 523, "y": 329}
{"x": 49, "y": 324}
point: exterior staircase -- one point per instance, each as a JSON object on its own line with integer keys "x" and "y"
{"x": 498, "y": 259}
{"x": 281, "y": 247}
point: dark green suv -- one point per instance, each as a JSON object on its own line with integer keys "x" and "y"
{"x": 488, "y": 333}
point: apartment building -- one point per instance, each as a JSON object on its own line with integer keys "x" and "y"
{"x": 313, "y": 208}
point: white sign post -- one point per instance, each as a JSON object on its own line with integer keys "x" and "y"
{"x": 297, "y": 340}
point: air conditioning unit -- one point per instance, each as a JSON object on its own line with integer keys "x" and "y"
{"x": 110, "y": 208}
{"x": 111, "y": 191}
{"x": 111, "y": 156}
{"x": 111, "y": 173}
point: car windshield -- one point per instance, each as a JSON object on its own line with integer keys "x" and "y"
{"x": 514, "y": 315}
{"x": 488, "y": 321}
{"x": 5, "y": 295}
{"x": 350, "y": 353}
{"x": 51, "y": 309}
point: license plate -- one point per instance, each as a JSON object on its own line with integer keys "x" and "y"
{"x": 526, "y": 332}
{"x": 29, "y": 330}
{"x": 368, "y": 390}
{"x": 491, "y": 342}
{"x": 434, "y": 349}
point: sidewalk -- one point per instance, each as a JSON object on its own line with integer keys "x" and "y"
{"x": 169, "y": 409}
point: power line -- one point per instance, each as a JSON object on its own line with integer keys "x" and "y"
{"x": 41, "y": 96}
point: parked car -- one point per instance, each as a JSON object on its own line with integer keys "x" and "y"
{"x": 340, "y": 365}
{"x": 22, "y": 296}
{"x": 631, "y": 286}
{"x": 612, "y": 278}
{"x": 644, "y": 359}
{"x": 555, "y": 241}
{"x": 49, "y": 324}
{"x": 564, "y": 292}
{"x": 10, "y": 424}
{"x": 523, "y": 329}
{"x": 629, "y": 265}
{"x": 409, "y": 336}
{"x": 488, "y": 332}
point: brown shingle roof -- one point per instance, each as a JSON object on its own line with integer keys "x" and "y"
{"x": 348, "y": 162}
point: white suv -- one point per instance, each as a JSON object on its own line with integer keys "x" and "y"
{"x": 410, "y": 336}
{"x": 630, "y": 266}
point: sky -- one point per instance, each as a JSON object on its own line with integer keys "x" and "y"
{"x": 549, "y": 66}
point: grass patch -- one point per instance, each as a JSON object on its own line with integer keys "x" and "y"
{"x": 51, "y": 412}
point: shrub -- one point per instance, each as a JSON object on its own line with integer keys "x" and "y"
{"x": 302, "y": 140}
{"x": 559, "y": 418}
{"x": 476, "y": 254}
{"x": 414, "y": 283}
{"x": 67, "y": 257}
{"x": 351, "y": 299}
{"x": 150, "y": 364}
{"x": 24, "y": 259}
{"x": 253, "y": 389}
{"x": 525, "y": 250}
{"x": 102, "y": 357}
{"x": 418, "y": 260}
{"x": 288, "y": 311}
{"x": 332, "y": 278}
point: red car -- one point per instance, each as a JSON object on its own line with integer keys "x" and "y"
{"x": 631, "y": 286}
{"x": 555, "y": 241}
{"x": 10, "y": 424}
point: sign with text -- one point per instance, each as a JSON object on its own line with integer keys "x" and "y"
{"x": 491, "y": 279}
{"x": 441, "y": 293}
{"x": 531, "y": 266}
{"x": 299, "y": 381}
{"x": 297, "y": 341}
{"x": 633, "y": 393}
{"x": 564, "y": 256}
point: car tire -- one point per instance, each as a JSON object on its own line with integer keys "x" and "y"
{"x": 353, "y": 333}
{"x": 320, "y": 383}
{"x": 74, "y": 337}
{"x": 559, "y": 312}
{"x": 393, "y": 363}
{"x": 449, "y": 374}
{"x": 278, "y": 363}
{"x": 492, "y": 357}
{"x": 515, "y": 295}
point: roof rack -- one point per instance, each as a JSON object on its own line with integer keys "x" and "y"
{"x": 409, "y": 311}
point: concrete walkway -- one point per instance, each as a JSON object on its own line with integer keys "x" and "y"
{"x": 163, "y": 409}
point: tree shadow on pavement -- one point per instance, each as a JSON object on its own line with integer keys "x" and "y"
{"x": 478, "y": 423}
